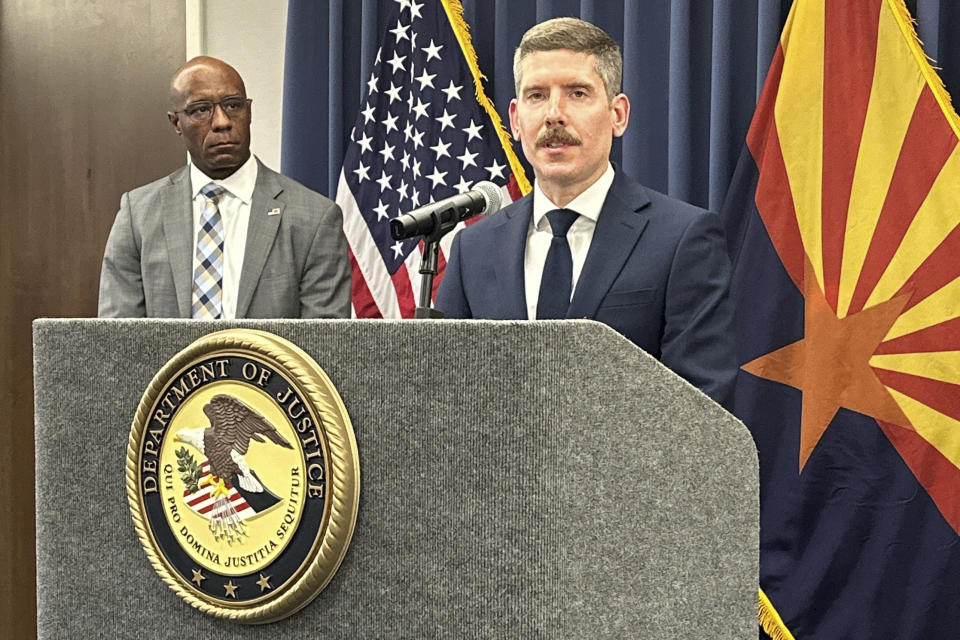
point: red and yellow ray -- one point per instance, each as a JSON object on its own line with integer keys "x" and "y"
{"x": 859, "y": 190}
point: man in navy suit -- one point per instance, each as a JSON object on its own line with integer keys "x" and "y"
{"x": 589, "y": 242}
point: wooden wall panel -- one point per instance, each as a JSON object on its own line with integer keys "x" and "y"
{"x": 83, "y": 96}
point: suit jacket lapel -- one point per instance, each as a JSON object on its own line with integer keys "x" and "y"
{"x": 261, "y": 231}
{"x": 511, "y": 238}
{"x": 176, "y": 207}
{"x": 618, "y": 230}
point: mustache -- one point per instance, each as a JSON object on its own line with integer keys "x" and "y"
{"x": 557, "y": 136}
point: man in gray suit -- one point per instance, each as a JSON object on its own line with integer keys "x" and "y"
{"x": 224, "y": 236}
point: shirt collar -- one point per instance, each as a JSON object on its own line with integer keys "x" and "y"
{"x": 239, "y": 184}
{"x": 588, "y": 204}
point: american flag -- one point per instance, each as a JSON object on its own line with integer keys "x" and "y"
{"x": 426, "y": 131}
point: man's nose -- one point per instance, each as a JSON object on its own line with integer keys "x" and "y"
{"x": 555, "y": 113}
{"x": 220, "y": 118}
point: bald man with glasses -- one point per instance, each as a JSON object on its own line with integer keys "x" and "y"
{"x": 224, "y": 236}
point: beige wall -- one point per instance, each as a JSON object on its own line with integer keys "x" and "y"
{"x": 83, "y": 88}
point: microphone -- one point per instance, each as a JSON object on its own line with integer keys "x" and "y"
{"x": 485, "y": 198}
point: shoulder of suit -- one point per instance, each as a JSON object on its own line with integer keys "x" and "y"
{"x": 291, "y": 190}
{"x": 500, "y": 217}
{"x": 144, "y": 202}
{"x": 159, "y": 185}
{"x": 662, "y": 205}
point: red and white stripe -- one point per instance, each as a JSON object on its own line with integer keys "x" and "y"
{"x": 203, "y": 503}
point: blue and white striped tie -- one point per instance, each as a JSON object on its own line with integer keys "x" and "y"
{"x": 208, "y": 276}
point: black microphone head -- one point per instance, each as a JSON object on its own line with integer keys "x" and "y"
{"x": 485, "y": 198}
{"x": 492, "y": 194}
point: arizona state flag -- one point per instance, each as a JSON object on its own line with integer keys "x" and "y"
{"x": 843, "y": 228}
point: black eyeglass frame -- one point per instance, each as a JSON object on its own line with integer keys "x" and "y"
{"x": 190, "y": 110}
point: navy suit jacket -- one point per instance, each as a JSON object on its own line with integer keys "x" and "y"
{"x": 657, "y": 271}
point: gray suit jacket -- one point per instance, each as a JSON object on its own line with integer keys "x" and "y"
{"x": 295, "y": 264}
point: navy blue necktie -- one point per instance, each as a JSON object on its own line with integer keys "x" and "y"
{"x": 557, "y": 281}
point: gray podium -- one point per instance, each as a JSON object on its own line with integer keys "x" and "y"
{"x": 519, "y": 480}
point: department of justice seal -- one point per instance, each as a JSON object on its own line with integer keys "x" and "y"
{"x": 242, "y": 476}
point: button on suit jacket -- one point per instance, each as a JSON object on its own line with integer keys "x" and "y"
{"x": 657, "y": 271}
{"x": 295, "y": 264}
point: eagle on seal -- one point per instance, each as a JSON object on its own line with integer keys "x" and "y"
{"x": 233, "y": 425}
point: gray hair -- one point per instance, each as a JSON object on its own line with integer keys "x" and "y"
{"x": 576, "y": 35}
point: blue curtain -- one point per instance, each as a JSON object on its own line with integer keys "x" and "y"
{"x": 692, "y": 68}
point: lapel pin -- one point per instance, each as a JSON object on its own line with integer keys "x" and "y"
{"x": 274, "y": 212}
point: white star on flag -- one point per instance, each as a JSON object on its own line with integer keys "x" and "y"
{"x": 400, "y": 31}
{"x": 426, "y": 79}
{"x": 440, "y": 149}
{"x": 387, "y": 152}
{"x": 432, "y": 51}
{"x": 397, "y": 62}
{"x": 473, "y": 131}
{"x": 365, "y": 142}
{"x": 453, "y": 91}
{"x": 362, "y": 173}
{"x": 437, "y": 176}
{"x": 446, "y": 120}
{"x": 496, "y": 170}
{"x": 467, "y": 158}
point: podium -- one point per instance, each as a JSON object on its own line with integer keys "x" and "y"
{"x": 518, "y": 480}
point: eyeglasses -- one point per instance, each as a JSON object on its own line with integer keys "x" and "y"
{"x": 201, "y": 112}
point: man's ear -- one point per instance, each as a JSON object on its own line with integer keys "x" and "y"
{"x": 514, "y": 120}
{"x": 620, "y": 114}
{"x": 174, "y": 119}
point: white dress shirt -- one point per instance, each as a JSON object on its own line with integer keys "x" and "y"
{"x": 588, "y": 204}
{"x": 234, "y": 207}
